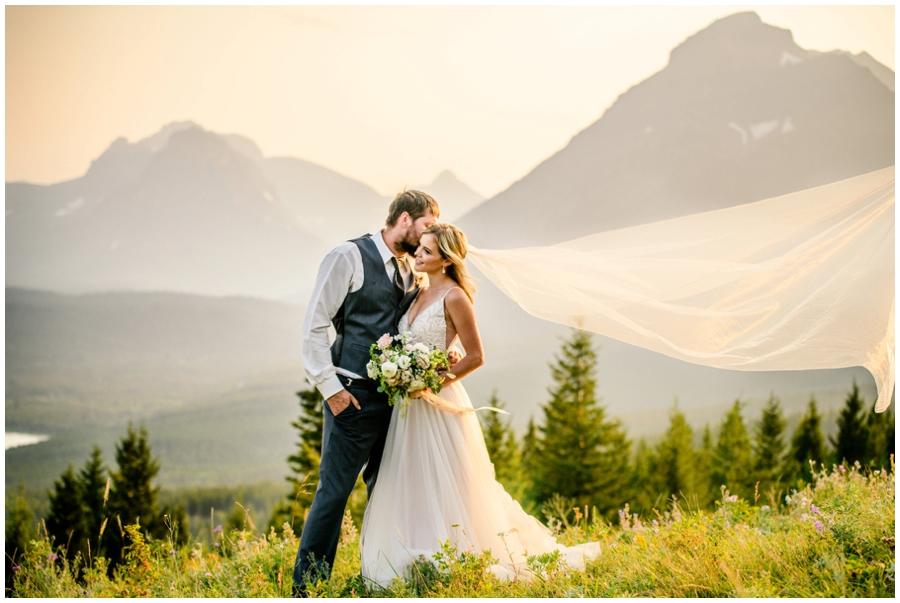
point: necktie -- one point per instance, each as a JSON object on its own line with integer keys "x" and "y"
{"x": 398, "y": 277}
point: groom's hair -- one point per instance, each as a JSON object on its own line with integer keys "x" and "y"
{"x": 415, "y": 203}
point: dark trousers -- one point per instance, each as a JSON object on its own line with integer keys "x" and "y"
{"x": 350, "y": 441}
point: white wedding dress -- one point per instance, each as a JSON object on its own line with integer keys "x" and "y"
{"x": 436, "y": 483}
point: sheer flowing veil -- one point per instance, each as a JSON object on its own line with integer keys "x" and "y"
{"x": 799, "y": 281}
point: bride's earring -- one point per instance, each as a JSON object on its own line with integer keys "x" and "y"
{"x": 443, "y": 270}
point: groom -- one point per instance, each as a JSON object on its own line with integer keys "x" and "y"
{"x": 363, "y": 287}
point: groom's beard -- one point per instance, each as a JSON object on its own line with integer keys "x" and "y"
{"x": 408, "y": 246}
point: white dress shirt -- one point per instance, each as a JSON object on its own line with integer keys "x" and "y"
{"x": 340, "y": 273}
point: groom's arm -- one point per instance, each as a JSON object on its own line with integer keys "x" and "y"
{"x": 333, "y": 282}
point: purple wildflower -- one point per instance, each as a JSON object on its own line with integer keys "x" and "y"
{"x": 815, "y": 509}
{"x": 217, "y": 529}
{"x": 819, "y": 526}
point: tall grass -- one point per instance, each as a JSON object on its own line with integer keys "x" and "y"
{"x": 834, "y": 538}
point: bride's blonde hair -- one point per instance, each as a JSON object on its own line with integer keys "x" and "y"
{"x": 452, "y": 246}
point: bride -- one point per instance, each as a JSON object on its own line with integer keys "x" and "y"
{"x": 436, "y": 481}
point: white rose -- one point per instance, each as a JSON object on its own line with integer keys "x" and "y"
{"x": 416, "y": 384}
{"x": 421, "y": 347}
{"x": 389, "y": 370}
{"x": 372, "y": 369}
{"x": 403, "y": 362}
{"x": 423, "y": 360}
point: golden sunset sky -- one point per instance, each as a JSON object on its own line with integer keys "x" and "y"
{"x": 387, "y": 95}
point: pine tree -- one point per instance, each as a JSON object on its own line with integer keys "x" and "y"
{"x": 644, "y": 483}
{"x": 807, "y": 444}
{"x": 133, "y": 497}
{"x": 92, "y": 480}
{"x": 303, "y": 463}
{"x": 675, "y": 467}
{"x": 529, "y": 446}
{"x": 881, "y": 438}
{"x": 64, "y": 521}
{"x": 733, "y": 462}
{"x": 580, "y": 453}
{"x": 769, "y": 447}
{"x": 529, "y": 497}
{"x": 852, "y": 441}
{"x": 501, "y": 444}
{"x": 707, "y": 492}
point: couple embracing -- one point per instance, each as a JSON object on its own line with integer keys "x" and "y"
{"x": 435, "y": 480}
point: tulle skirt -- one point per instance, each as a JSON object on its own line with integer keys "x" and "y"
{"x": 436, "y": 483}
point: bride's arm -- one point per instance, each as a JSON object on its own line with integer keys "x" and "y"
{"x": 462, "y": 314}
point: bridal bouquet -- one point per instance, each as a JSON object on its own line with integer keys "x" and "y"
{"x": 402, "y": 367}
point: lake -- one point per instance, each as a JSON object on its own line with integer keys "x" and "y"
{"x": 15, "y": 439}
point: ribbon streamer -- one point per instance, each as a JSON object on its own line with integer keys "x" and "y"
{"x": 441, "y": 404}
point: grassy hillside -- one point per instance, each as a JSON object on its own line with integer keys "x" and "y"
{"x": 835, "y": 538}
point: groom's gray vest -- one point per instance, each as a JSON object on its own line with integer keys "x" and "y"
{"x": 369, "y": 313}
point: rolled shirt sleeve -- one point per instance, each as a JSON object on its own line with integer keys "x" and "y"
{"x": 333, "y": 283}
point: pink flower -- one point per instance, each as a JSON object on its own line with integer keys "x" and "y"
{"x": 385, "y": 341}
{"x": 819, "y": 526}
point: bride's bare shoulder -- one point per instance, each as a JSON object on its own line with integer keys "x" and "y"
{"x": 458, "y": 305}
{"x": 457, "y": 297}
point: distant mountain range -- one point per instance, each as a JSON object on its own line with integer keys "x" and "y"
{"x": 189, "y": 210}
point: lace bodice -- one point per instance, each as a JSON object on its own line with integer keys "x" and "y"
{"x": 429, "y": 325}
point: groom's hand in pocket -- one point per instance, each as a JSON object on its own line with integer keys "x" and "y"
{"x": 339, "y": 402}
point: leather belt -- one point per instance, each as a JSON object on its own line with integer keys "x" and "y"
{"x": 366, "y": 384}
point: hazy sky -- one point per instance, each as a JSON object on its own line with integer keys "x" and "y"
{"x": 387, "y": 95}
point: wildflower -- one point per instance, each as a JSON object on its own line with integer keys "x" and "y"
{"x": 819, "y": 527}
{"x": 217, "y": 529}
{"x": 16, "y": 567}
{"x": 52, "y": 557}
{"x": 208, "y": 574}
{"x": 815, "y": 509}
{"x": 731, "y": 498}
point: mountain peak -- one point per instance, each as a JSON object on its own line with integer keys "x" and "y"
{"x": 447, "y": 183}
{"x": 446, "y": 177}
{"x": 157, "y": 141}
{"x": 455, "y": 196}
{"x": 735, "y": 40}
